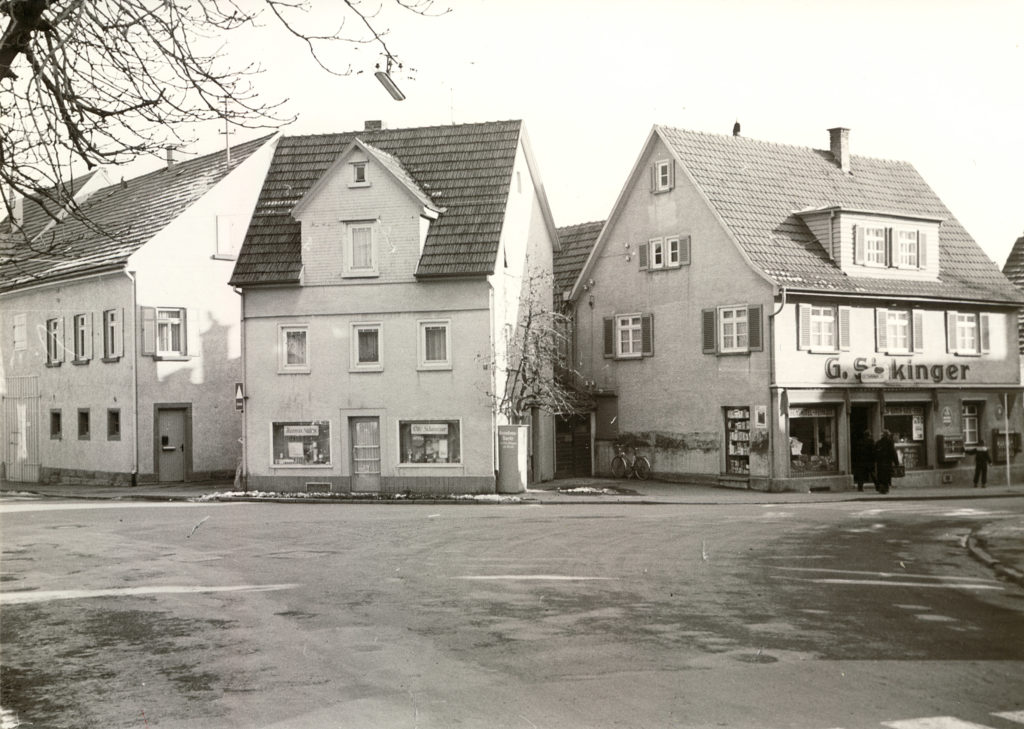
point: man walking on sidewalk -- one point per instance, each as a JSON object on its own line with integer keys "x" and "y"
{"x": 981, "y": 464}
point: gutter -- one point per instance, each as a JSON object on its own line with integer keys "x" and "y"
{"x": 244, "y": 473}
{"x": 771, "y": 375}
{"x": 135, "y": 377}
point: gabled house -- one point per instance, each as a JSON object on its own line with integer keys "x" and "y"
{"x": 800, "y": 297}
{"x": 379, "y": 276}
{"x": 119, "y": 352}
{"x": 1013, "y": 269}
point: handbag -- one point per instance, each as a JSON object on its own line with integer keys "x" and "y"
{"x": 898, "y": 471}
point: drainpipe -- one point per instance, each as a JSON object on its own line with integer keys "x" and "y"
{"x": 1006, "y": 433}
{"x": 771, "y": 375}
{"x": 245, "y": 390}
{"x": 135, "y": 376}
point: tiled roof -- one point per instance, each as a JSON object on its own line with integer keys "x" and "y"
{"x": 35, "y": 217}
{"x": 117, "y": 220}
{"x": 756, "y": 186}
{"x": 577, "y": 242}
{"x": 466, "y": 169}
{"x": 1014, "y": 270}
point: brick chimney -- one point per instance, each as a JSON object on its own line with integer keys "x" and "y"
{"x": 839, "y": 143}
{"x": 373, "y": 125}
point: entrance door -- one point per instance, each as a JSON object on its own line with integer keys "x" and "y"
{"x": 170, "y": 428}
{"x": 860, "y": 421}
{"x": 365, "y": 437}
{"x": 21, "y": 419}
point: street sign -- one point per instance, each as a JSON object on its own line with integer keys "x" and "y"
{"x": 239, "y": 397}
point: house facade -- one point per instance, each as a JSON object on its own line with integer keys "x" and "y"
{"x": 120, "y": 351}
{"x": 380, "y": 274}
{"x": 800, "y": 297}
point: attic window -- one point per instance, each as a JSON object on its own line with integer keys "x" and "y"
{"x": 662, "y": 176}
{"x": 359, "y": 174}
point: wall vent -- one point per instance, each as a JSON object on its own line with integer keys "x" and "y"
{"x": 947, "y": 478}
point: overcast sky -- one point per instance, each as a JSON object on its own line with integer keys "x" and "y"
{"x": 937, "y": 83}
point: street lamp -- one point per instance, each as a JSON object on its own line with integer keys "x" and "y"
{"x": 385, "y": 79}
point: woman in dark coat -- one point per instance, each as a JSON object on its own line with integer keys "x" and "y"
{"x": 886, "y": 459}
{"x": 863, "y": 458}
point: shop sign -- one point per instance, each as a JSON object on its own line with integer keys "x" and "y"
{"x": 811, "y": 412}
{"x": 429, "y": 428}
{"x": 301, "y": 431}
{"x": 915, "y": 410}
{"x": 876, "y": 369}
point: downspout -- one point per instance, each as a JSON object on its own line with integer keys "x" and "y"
{"x": 1006, "y": 434}
{"x": 771, "y": 374}
{"x": 244, "y": 476}
{"x": 135, "y": 376}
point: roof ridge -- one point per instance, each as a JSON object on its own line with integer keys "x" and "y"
{"x": 580, "y": 225}
{"x": 357, "y": 132}
{"x": 765, "y": 142}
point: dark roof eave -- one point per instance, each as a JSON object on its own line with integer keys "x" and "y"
{"x": 790, "y": 290}
{"x": 64, "y": 277}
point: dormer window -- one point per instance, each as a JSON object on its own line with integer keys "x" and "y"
{"x": 907, "y": 255}
{"x": 874, "y": 246}
{"x": 877, "y": 246}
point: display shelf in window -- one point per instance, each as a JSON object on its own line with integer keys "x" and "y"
{"x": 737, "y": 435}
{"x": 950, "y": 447}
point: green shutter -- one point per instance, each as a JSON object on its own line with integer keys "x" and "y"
{"x": 754, "y": 338}
{"x": 609, "y": 336}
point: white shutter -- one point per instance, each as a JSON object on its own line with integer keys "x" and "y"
{"x": 803, "y": 316}
{"x": 843, "y": 314}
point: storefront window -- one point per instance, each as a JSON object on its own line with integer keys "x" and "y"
{"x": 302, "y": 443}
{"x": 812, "y": 439}
{"x": 430, "y": 441}
{"x": 906, "y": 423}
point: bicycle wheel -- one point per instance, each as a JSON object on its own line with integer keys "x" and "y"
{"x": 642, "y": 467}
{"x": 618, "y": 467}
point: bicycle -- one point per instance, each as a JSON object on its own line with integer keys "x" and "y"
{"x": 629, "y": 464}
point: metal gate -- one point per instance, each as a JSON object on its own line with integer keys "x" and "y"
{"x": 21, "y": 427}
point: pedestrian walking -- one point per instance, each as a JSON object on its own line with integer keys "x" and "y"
{"x": 863, "y": 458}
{"x": 886, "y": 460}
{"x": 981, "y": 461}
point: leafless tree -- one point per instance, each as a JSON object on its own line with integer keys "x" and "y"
{"x": 536, "y": 367}
{"x": 91, "y": 82}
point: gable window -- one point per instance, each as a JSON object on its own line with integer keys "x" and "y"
{"x": 54, "y": 341}
{"x": 662, "y": 253}
{"x": 629, "y": 336}
{"x": 899, "y": 331}
{"x": 733, "y": 329}
{"x": 823, "y": 328}
{"x": 230, "y": 234}
{"x": 83, "y": 338}
{"x": 435, "y": 345}
{"x": 167, "y": 333}
{"x": 967, "y": 332}
{"x": 113, "y": 335}
{"x": 366, "y": 347}
{"x": 970, "y": 418}
{"x": 662, "y": 176}
{"x": 20, "y": 332}
{"x": 359, "y": 173}
{"x": 360, "y": 250}
{"x": 294, "y": 349}
{"x": 55, "y": 425}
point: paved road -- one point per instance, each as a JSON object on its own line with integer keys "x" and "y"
{"x": 807, "y": 615}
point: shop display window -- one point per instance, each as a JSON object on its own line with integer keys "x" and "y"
{"x": 301, "y": 443}
{"x": 430, "y": 441}
{"x": 812, "y": 440}
{"x": 907, "y": 425}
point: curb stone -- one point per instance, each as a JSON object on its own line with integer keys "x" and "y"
{"x": 976, "y": 546}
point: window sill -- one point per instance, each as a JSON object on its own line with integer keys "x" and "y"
{"x": 54, "y": 364}
{"x": 56, "y": 437}
{"x": 79, "y": 362}
{"x": 303, "y": 371}
{"x": 732, "y": 352}
{"x": 358, "y": 184}
{"x": 434, "y": 368}
{"x": 321, "y": 466}
{"x": 223, "y": 257}
{"x": 171, "y": 358}
{"x": 628, "y": 357}
{"x": 967, "y": 354}
{"x": 430, "y": 465}
{"x": 821, "y": 350}
{"x": 366, "y": 368}
{"x": 360, "y": 274}
{"x": 111, "y": 359}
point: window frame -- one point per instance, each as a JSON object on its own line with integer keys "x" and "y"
{"x": 349, "y": 269}
{"x": 721, "y": 325}
{"x": 113, "y": 335}
{"x": 656, "y": 248}
{"x": 871, "y": 252}
{"x": 82, "y": 336}
{"x": 19, "y": 332}
{"x": 56, "y": 418}
{"x": 898, "y": 248}
{"x": 914, "y": 331}
{"x": 448, "y": 422}
{"x": 662, "y": 175}
{"x": 84, "y": 433}
{"x": 284, "y": 367}
{"x": 55, "y": 341}
{"x": 179, "y": 322}
{"x": 633, "y": 324}
{"x": 422, "y": 362}
{"x": 982, "y": 326}
{"x": 355, "y": 365}
{"x": 966, "y": 416}
{"x": 113, "y": 418}
{"x": 359, "y": 174}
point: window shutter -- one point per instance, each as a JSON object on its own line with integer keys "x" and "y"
{"x": 917, "y": 330}
{"x": 671, "y": 174}
{"x": 647, "y": 335}
{"x": 844, "y": 328}
{"x": 643, "y": 252}
{"x": 709, "y": 331}
{"x": 983, "y": 332}
{"x": 119, "y": 337}
{"x": 889, "y": 235}
{"x": 754, "y": 339}
{"x": 654, "y": 176}
{"x": 609, "y": 336}
{"x": 858, "y": 244}
{"x": 62, "y": 345}
{"x": 881, "y": 330}
{"x": 148, "y": 330}
{"x": 803, "y": 322}
{"x": 951, "y": 332}
{"x": 87, "y": 354}
{"x": 922, "y": 250}
{"x": 684, "y": 250}
{"x": 192, "y": 346}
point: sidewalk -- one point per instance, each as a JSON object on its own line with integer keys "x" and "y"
{"x": 1000, "y": 544}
